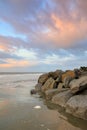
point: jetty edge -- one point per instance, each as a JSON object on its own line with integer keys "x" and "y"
{"x": 67, "y": 89}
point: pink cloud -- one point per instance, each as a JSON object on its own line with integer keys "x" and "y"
{"x": 18, "y": 63}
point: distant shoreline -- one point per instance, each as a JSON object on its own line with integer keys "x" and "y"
{"x": 7, "y": 73}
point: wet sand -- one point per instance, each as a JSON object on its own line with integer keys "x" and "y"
{"x": 18, "y": 112}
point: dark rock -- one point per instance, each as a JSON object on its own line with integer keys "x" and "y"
{"x": 84, "y": 92}
{"x": 33, "y": 91}
{"x": 83, "y": 68}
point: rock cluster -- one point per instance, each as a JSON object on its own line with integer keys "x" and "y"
{"x": 67, "y": 89}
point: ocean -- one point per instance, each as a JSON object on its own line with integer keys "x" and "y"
{"x": 19, "y": 110}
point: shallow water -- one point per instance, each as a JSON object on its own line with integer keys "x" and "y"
{"x": 18, "y": 109}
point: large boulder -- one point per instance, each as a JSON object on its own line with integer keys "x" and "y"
{"x": 77, "y": 106}
{"x": 49, "y": 84}
{"x": 50, "y": 93}
{"x": 62, "y": 98}
{"x": 68, "y": 73}
{"x": 43, "y": 78}
{"x": 55, "y": 74}
{"x": 66, "y": 81}
{"x": 78, "y": 84}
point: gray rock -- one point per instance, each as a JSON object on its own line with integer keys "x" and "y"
{"x": 50, "y": 93}
{"x": 49, "y": 84}
{"x": 78, "y": 84}
{"x": 77, "y": 106}
{"x": 62, "y": 98}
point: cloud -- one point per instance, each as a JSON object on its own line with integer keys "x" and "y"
{"x": 49, "y": 32}
{"x": 67, "y": 61}
{"x": 11, "y": 43}
{"x": 35, "y": 61}
{"x": 58, "y": 59}
{"x": 17, "y": 63}
{"x": 52, "y": 21}
{"x": 26, "y": 54}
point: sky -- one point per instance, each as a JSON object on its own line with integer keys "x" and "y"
{"x": 42, "y": 35}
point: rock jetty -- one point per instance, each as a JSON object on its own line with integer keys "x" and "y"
{"x": 67, "y": 89}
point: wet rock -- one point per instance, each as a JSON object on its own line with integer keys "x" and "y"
{"x": 77, "y": 106}
{"x": 49, "y": 84}
{"x": 78, "y": 84}
{"x": 43, "y": 78}
{"x": 38, "y": 87}
{"x": 62, "y": 98}
{"x": 33, "y": 91}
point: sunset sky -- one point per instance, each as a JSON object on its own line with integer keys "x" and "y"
{"x": 42, "y": 35}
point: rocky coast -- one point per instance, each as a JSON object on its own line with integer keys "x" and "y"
{"x": 67, "y": 89}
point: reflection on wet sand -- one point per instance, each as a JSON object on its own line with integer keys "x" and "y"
{"x": 67, "y": 121}
{"x": 3, "y": 103}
